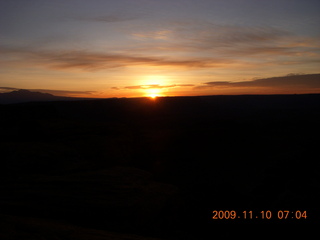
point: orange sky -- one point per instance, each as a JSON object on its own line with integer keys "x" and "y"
{"x": 160, "y": 48}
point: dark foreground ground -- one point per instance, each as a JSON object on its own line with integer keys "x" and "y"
{"x": 143, "y": 169}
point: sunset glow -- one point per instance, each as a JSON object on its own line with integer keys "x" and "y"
{"x": 153, "y": 96}
{"x": 153, "y": 93}
{"x": 139, "y": 48}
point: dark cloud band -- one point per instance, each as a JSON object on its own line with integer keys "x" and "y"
{"x": 289, "y": 81}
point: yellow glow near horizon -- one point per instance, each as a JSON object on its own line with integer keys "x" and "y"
{"x": 154, "y": 80}
{"x": 153, "y": 92}
{"x": 153, "y": 96}
{"x": 154, "y": 85}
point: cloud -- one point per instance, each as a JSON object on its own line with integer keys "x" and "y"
{"x": 215, "y": 35}
{"x": 310, "y": 81}
{"x": 63, "y": 92}
{"x": 232, "y": 41}
{"x": 89, "y": 61}
{"x": 111, "y": 18}
{"x": 155, "y": 35}
{"x": 203, "y": 46}
{"x": 157, "y": 86}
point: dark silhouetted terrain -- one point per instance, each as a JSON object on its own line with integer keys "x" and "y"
{"x": 156, "y": 169}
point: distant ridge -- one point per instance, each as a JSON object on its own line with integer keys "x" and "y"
{"x": 23, "y": 95}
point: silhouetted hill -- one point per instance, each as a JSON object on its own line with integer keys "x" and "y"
{"x": 22, "y": 95}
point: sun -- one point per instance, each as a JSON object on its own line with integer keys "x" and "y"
{"x": 153, "y": 86}
{"x": 153, "y": 93}
{"x": 153, "y": 96}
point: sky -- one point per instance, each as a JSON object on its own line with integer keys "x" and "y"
{"x": 134, "y": 48}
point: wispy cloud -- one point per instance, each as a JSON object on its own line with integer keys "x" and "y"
{"x": 65, "y": 92}
{"x": 97, "y": 61}
{"x": 157, "y": 86}
{"x": 186, "y": 45}
{"x": 232, "y": 41}
{"x": 310, "y": 81}
{"x": 163, "y": 34}
{"x": 111, "y": 18}
{"x": 227, "y": 35}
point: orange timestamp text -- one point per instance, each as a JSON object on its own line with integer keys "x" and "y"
{"x": 280, "y": 214}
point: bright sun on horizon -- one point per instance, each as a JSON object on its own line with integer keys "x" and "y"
{"x": 153, "y": 92}
{"x": 153, "y": 96}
